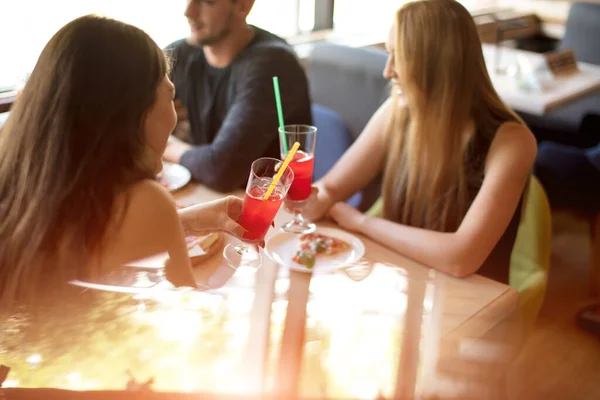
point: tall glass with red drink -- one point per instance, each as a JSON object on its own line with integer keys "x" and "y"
{"x": 258, "y": 213}
{"x": 302, "y": 165}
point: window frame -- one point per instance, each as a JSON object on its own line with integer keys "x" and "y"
{"x": 323, "y": 14}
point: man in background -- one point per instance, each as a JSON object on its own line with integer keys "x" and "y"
{"x": 224, "y": 92}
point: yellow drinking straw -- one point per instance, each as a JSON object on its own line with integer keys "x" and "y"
{"x": 288, "y": 159}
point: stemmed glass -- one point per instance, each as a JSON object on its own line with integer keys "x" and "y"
{"x": 302, "y": 165}
{"x": 258, "y": 214}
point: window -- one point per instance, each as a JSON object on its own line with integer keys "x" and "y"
{"x": 283, "y": 17}
{"x": 376, "y": 16}
{"x": 28, "y": 25}
{"x": 360, "y": 16}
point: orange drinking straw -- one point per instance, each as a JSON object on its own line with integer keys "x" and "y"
{"x": 287, "y": 161}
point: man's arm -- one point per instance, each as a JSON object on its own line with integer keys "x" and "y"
{"x": 250, "y": 126}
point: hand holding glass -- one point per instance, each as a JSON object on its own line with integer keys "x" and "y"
{"x": 302, "y": 165}
{"x": 258, "y": 213}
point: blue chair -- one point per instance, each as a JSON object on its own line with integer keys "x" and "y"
{"x": 333, "y": 139}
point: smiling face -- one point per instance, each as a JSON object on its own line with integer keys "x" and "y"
{"x": 390, "y": 71}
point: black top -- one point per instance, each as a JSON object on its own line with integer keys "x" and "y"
{"x": 497, "y": 265}
{"x": 232, "y": 113}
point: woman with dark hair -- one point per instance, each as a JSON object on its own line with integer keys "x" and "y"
{"x": 78, "y": 159}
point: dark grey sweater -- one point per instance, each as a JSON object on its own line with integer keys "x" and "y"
{"x": 232, "y": 113}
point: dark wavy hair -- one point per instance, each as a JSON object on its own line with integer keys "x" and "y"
{"x": 73, "y": 141}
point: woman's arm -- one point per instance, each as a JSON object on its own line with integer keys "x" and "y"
{"x": 150, "y": 226}
{"x": 461, "y": 253}
{"x": 216, "y": 215}
{"x": 359, "y": 165}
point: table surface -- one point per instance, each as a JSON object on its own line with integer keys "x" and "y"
{"x": 385, "y": 325}
{"x": 306, "y": 326}
{"x": 556, "y": 92}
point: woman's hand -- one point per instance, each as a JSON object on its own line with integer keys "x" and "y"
{"x": 318, "y": 204}
{"x": 347, "y": 216}
{"x": 217, "y": 215}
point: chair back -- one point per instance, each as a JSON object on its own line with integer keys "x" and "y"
{"x": 530, "y": 258}
{"x": 582, "y": 32}
{"x": 333, "y": 139}
{"x": 349, "y": 81}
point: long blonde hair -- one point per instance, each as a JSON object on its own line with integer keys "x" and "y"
{"x": 440, "y": 65}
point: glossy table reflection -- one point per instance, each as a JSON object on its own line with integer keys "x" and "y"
{"x": 386, "y": 327}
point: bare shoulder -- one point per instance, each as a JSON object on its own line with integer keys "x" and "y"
{"x": 150, "y": 206}
{"x": 144, "y": 223}
{"x": 149, "y": 194}
{"x": 514, "y": 144}
{"x": 391, "y": 105}
{"x": 516, "y": 137}
{"x": 382, "y": 117}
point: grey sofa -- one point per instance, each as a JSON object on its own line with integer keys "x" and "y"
{"x": 348, "y": 81}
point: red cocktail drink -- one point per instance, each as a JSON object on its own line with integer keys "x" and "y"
{"x": 258, "y": 214}
{"x": 302, "y": 165}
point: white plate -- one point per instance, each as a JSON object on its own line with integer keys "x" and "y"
{"x": 137, "y": 290}
{"x": 175, "y": 175}
{"x": 159, "y": 260}
{"x": 283, "y": 246}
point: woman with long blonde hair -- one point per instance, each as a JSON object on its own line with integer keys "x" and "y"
{"x": 78, "y": 159}
{"x": 455, "y": 159}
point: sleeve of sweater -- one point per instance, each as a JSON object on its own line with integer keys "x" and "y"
{"x": 250, "y": 126}
{"x": 593, "y": 154}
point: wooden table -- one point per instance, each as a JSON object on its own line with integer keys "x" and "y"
{"x": 384, "y": 325}
{"x": 387, "y": 324}
{"x": 556, "y": 93}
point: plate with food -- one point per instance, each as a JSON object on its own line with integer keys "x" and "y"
{"x": 142, "y": 275}
{"x": 173, "y": 176}
{"x": 326, "y": 248}
{"x": 200, "y": 248}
